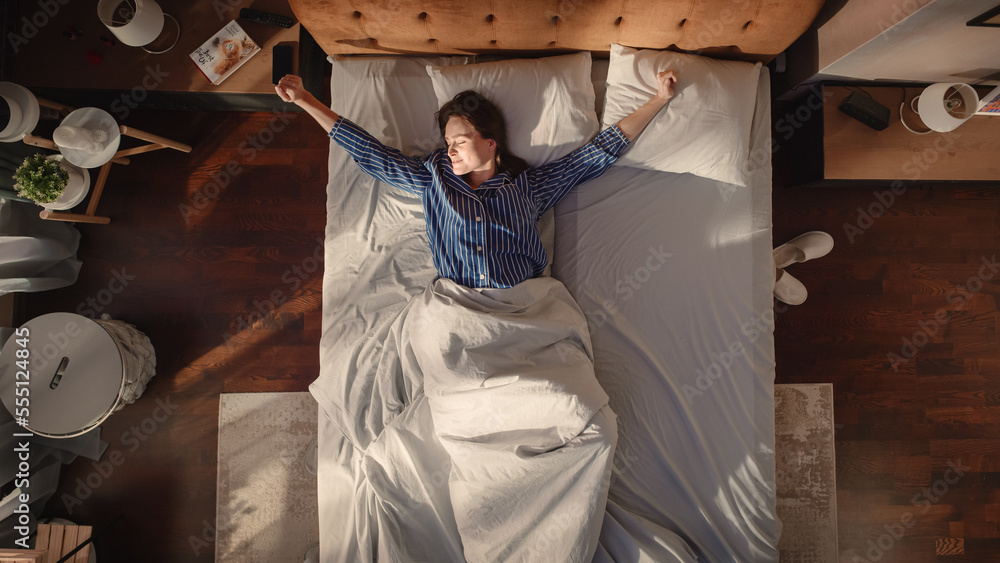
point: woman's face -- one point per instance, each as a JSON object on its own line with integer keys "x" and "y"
{"x": 467, "y": 149}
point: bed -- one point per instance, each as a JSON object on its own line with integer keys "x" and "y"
{"x": 662, "y": 266}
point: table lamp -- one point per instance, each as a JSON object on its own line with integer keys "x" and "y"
{"x": 943, "y": 107}
{"x": 136, "y": 22}
{"x": 19, "y": 112}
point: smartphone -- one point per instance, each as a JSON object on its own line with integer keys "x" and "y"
{"x": 281, "y": 62}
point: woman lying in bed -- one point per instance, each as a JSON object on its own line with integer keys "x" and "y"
{"x": 481, "y": 202}
{"x": 489, "y": 374}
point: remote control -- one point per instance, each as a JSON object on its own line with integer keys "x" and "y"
{"x": 266, "y": 17}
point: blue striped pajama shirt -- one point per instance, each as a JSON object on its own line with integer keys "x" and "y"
{"x": 484, "y": 237}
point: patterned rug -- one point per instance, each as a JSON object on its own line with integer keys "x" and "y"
{"x": 805, "y": 471}
{"x": 266, "y": 509}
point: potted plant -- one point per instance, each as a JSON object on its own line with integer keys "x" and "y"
{"x": 51, "y": 182}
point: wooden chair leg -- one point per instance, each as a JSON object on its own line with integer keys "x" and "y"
{"x": 98, "y": 189}
{"x": 22, "y": 556}
{"x": 73, "y": 217}
{"x": 48, "y": 144}
{"x": 155, "y": 139}
{"x": 90, "y": 215}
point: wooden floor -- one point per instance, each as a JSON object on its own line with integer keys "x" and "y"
{"x": 228, "y": 290}
{"x": 230, "y": 296}
{"x": 902, "y": 319}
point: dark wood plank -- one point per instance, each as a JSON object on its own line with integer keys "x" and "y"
{"x": 204, "y": 292}
{"x": 900, "y": 432}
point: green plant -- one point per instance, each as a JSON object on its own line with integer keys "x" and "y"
{"x": 40, "y": 179}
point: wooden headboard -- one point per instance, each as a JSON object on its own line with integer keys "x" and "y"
{"x": 746, "y": 29}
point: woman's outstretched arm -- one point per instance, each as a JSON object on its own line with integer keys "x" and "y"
{"x": 290, "y": 89}
{"x": 632, "y": 125}
{"x": 382, "y": 162}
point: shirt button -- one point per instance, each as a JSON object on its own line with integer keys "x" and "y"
{"x": 482, "y": 276}
{"x": 479, "y": 218}
{"x": 479, "y": 248}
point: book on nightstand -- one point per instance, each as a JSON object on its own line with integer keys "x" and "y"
{"x": 990, "y": 104}
{"x": 224, "y": 52}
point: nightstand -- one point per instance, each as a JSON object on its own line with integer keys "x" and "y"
{"x": 827, "y": 148}
{"x": 55, "y": 66}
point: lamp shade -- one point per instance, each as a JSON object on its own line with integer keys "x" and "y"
{"x": 10, "y": 116}
{"x": 22, "y": 112}
{"x": 938, "y": 110}
{"x": 134, "y": 22}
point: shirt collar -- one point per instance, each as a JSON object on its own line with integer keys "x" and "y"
{"x": 498, "y": 181}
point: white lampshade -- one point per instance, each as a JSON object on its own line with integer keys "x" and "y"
{"x": 23, "y": 110}
{"x": 140, "y": 28}
{"x": 936, "y": 109}
{"x": 10, "y": 116}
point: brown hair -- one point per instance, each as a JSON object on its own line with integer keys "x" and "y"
{"x": 487, "y": 120}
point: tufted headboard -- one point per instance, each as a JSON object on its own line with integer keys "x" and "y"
{"x": 744, "y": 29}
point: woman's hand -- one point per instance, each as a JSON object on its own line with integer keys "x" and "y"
{"x": 634, "y": 123}
{"x": 290, "y": 89}
{"x": 665, "y": 84}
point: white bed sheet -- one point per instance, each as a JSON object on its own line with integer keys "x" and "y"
{"x": 695, "y": 456}
{"x": 672, "y": 271}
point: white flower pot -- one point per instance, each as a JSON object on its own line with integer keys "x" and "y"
{"x": 77, "y": 188}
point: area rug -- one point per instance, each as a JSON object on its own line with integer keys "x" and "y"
{"x": 805, "y": 472}
{"x": 266, "y": 509}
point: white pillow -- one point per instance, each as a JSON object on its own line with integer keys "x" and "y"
{"x": 705, "y": 128}
{"x": 391, "y": 98}
{"x": 548, "y": 103}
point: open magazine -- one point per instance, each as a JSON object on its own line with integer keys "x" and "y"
{"x": 990, "y": 104}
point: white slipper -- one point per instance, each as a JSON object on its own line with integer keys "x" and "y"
{"x": 789, "y": 290}
{"x": 813, "y": 244}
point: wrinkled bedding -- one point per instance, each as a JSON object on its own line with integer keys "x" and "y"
{"x": 673, "y": 273}
{"x": 495, "y": 440}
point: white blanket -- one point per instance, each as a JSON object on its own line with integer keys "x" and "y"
{"x": 491, "y": 439}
